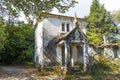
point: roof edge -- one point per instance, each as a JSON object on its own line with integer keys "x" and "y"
{"x": 63, "y": 16}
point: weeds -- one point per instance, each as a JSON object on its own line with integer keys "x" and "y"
{"x": 56, "y": 70}
{"x": 98, "y": 71}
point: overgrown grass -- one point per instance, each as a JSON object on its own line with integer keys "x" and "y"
{"x": 99, "y": 71}
{"x": 56, "y": 70}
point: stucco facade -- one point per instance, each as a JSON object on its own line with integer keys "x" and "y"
{"x": 61, "y": 40}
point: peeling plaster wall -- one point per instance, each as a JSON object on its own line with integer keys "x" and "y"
{"x": 51, "y": 30}
{"x": 38, "y": 44}
{"x": 74, "y": 53}
{"x": 92, "y": 51}
{"x": 59, "y": 54}
{"x": 52, "y": 27}
{"x": 118, "y": 52}
{"x": 109, "y": 52}
{"x": 83, "y": 25}
{"x": 46, "y": 49}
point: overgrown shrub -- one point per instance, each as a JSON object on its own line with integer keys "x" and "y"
{"x": 19, "y": 46}
{"x": 104, "y": 65}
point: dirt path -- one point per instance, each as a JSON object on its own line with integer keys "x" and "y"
{"x": 17, "y": 73}
{"x": 29, "y": 73}
{"x": 22, "y": 73}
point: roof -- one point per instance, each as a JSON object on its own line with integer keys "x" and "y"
{"x": 68, "y": 33}
{"x": 107, "y": 45}
{"x": 65, "y": 17}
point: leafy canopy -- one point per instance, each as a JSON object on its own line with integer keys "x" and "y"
{"x": 19, "y": 46}
{"x": 2, "y": 34}
{"x": 99, "y": 23}
{"x": 116, "y": 16}
{"x": 35, "y": 8}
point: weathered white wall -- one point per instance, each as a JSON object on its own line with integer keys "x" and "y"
{"x": 92, "y": 51}
{"x": 52, "y": 28}
{"x": 59, "y": 54}
{"x": 74, "y": 53}
{"x": 109, "y": 52}
{"x": 118, "y": 26}
{"x": 118, "y": 52}
{"x": 76, "y": 56}
{"x": 82, "y": 25}
{"x": 45, "y": 35}
{"x": 38, "y": 56}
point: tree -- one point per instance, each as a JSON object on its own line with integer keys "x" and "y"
{"x": 19, "y": 46}
{"x": 37, "y": 8}
{"x": 99, "y": 23}
{"x": 2, "y": 36}
{"x": 116, "y": 16}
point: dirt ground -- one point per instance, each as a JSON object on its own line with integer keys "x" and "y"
{"x": 29, "y": 73}
{"x": 21, "y": 73}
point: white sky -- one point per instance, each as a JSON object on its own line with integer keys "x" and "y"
{"x": 83, "y": 7}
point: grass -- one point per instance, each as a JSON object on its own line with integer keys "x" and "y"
{"x": 49, "y": 71}
{"x": 103, "y": 69}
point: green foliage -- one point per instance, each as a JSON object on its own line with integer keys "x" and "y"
{"x": 2, "y": 34}
{"x": 37, "y": 7}
{"x": 94, "y": 38}
{"x": 101, "y": 65}
{"x": 104, "y": 67}
{"x": 98, "y": 71}
{"x": 117, "y": 41}
{"x": 99, "y": 23}
{"x": 19, "y": 45}
{"x": 56, "y": 70}
{"x": 116, "y": 16}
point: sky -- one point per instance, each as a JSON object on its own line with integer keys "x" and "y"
{"x": 83, "y": 7}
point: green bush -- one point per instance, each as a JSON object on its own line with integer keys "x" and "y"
{"x": 104, "y": 65}
{"x": 19, "y": 46}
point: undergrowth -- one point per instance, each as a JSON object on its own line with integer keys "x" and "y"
{"x": 98, "y": 71}
{"x": 56, "y": 70}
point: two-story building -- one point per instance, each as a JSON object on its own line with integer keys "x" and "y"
{"x": 61, "y": 40}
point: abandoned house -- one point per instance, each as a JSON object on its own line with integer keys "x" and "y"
{"x": 61, "y": 40}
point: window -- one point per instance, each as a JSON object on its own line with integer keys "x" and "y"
{"x": 67, "y": 26}
{"x": 63, "y": 26}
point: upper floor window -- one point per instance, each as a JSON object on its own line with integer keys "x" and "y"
{"x": 68, "y": 27}
{"x": 65, "y": 27}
